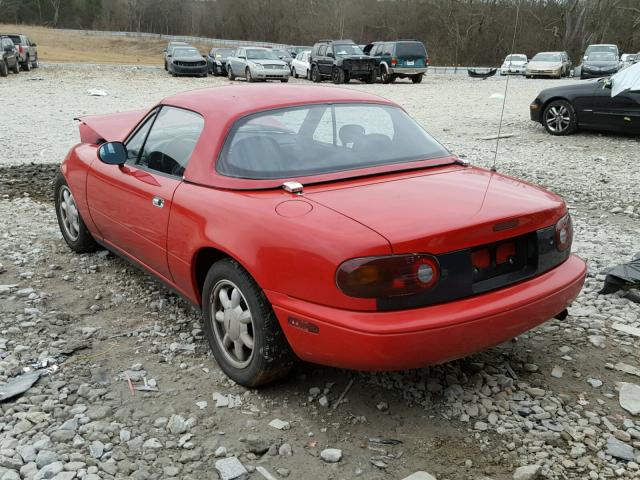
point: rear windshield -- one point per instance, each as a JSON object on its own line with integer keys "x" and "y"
{"x": 16, "y": 39}
{"x": 318, "y": 139}
{"x": 516, "y": 58}
{"x": 406, "y": 49}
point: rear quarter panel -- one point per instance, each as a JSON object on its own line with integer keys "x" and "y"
{"x": 292, "y": 255}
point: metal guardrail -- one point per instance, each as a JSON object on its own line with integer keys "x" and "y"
{"x": 177, "y": 38}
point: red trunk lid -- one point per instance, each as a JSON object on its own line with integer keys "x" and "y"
{"x": 443, "y": 210}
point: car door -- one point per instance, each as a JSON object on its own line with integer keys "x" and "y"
{"x": 620, "y": 113}
{"x": 322, "y": 61}
{"x": 130, "y": 204}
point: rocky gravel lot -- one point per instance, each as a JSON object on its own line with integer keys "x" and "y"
{"x": 126, "y": 387}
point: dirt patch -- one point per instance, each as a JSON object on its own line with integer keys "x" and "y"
{"x": 33, "y": 180}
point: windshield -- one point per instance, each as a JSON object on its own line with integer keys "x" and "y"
{"x": 410, "y": 49}
{"x": 602, "y": 56}
{"x": 318, "y": 139}
{"x": 547, "y": 57}
{"x": 224, "y": 53}
{"x": 256, "y": 54}
{"x": 186, "y": 52}
{"x": 347, "y": 49}
{"x": 515, "y": 58}
{"x": 602, "y": 48}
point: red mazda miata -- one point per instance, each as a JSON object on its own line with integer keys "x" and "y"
{"x": 318, "y": 223}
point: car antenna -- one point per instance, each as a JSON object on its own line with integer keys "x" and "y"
{"x": 506, "y": 86}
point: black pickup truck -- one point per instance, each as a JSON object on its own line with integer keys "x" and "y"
{"x": 341, "y": 60}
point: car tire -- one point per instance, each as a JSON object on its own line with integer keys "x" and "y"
{"x": 315, "y": 74}
{"x": 4, "y": 68}
{"x": 26, "y": 66}
{"x": 214, "y": 70}
{"x": 417, "y": 78}
{"x": 242, "y": 330}
{"x": 293, "y": 72}
{"x": 384, "y": 75}
{"x": 371, "y": 78}
{"x": 247, "y": 75}
{"x": 16, "y": 67}
{"x": 284, "y": 80}
{"x": 35, "y": 63}
{"x": 559, "y": 118}
{"x": 307, "y": 74}
{"x": 166, "y": 67}
{"x": 230, "y": 74}
{"x": 337, "y": 76}
{"x": 73, "y": 229}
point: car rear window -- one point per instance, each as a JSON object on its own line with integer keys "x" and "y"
{"x": 16, "y": 39}
{"x": 413, "y": 49}
{"x": 319, "y": 139}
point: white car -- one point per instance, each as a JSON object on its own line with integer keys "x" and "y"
{"x": 628, "y": 59}
{"x": 514, "y": 64}
{"x": 300, "y": 65}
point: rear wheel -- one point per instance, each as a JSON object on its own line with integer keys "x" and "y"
{"x": 26, "y": 66}
{"x": 315, "y": 74}
{"x": 4, "y": 68}
{"x": 416, "y": 78}
{"x": 559, "y": 118}
{"x": 72, "y": 227}
{"x": 384, "y": 75}
{"x": 35, "y": 63}
{"x": 242, "y": 330}
{"x": 337, "y": 75}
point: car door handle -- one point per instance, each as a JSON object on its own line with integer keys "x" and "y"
{"x": 157, "y": 202}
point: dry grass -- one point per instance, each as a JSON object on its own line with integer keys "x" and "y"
{"x": 60, "y": 46}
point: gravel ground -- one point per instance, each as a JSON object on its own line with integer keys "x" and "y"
{"x": 546, "y": 405}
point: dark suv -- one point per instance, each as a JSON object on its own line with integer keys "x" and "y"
{"x": 399, "y": 59}
{"x": 340, "y": 60}
{"x": 9, "y": 58}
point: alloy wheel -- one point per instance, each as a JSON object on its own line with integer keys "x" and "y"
{"x": 69, "y": 213}
{"x": 232, "y": 323}
{"x": 558, "y": 118}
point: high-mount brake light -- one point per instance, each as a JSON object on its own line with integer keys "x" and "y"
{"x": 564, "y": 233}
{"x": 383, "y": 277}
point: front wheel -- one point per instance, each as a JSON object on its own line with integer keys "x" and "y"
{"x": 72, "y": 227}
{"x": 230, "y": 74}
{"x": 247, "y": 75}
{"x": 284, "y": 80}
{"x": 16, "y": 67}
{"x": 371, "y": 78}
{"x": 242, "y": 330}
{"x": 337, "y": 76}
{"x": 4, "y": 68}
{"x": 559, "y": 118}
{"x": 315, "y": 74}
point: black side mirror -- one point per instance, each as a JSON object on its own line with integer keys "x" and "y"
{"x": 113, "y": 153}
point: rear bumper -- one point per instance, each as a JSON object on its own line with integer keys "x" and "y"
{"x": 408, "y": 70}
{"x": 423, "y": 336}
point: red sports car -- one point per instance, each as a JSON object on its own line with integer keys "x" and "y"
{"x": 318, "y": 223}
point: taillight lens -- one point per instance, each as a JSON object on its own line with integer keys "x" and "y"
{"x": 564, "y": 233}
{"x": 381, "y": 277}
{"x": 394, "y": 62}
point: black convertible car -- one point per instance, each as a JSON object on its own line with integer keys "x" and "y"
{"x": 563, "y": 110}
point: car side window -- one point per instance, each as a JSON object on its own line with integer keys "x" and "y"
{"x": 171, "y": 140}
{"x": 329, "y": 51}
{"x": 388, "y": 49}
{"x": 322, "y": 51}
{"x": 136, "y": 141}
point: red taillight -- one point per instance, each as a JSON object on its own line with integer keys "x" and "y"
{"x": 381, "y": 277}
{"x": 20, "y": 48}
{"x": 481, "y": 259}
{"x": 564, "y": 233}
{"x": 427, "y": 61}
{"x": 394, "y": 62}
{"x": 505, "y": 252}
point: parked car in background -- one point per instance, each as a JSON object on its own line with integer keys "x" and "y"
{"x": 300, "y": 66}
{"x": 514, "y": 64}
{"x": 341, "y": 60}
{"x": 295, "y": 50}
{"x": 399, "y": 59}
{"x": 9, "y": 57}
{"x": 589, "y": 105}
{"x": 27, "y": 50}
{"x": 600, "y": 64}
{"x": 628, "y": 59}
{"x": 257, "y": 63}
{"x": 546, "y": 64}
{"x": 187, "y": 61}
{"x": 284, "y": 55}
{"x": 217, "y": 60}
{"x": 168, "y": 52}
{"x": 296, "y": 220}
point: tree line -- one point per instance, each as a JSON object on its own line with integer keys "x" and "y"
{"x": 456, "y": 32}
